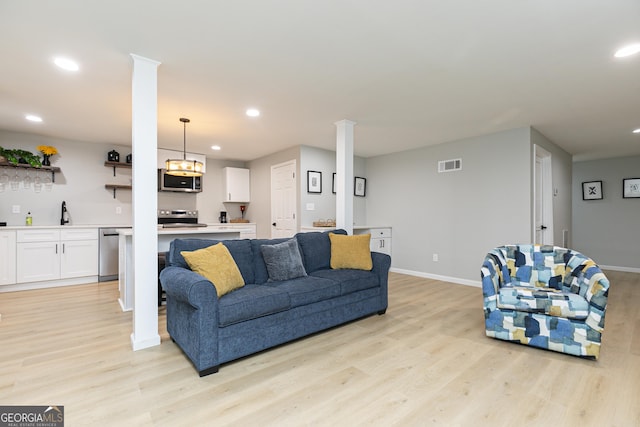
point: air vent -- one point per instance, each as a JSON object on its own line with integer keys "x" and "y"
{"x": 449, "y": 165}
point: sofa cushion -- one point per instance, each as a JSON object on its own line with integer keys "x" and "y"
{"x": 240, "y": 251}
{"x": 217, "y": 265}
{"x": 283, "y": 261}
{"x": 316, "y": 249}
{"x": 307, "y": 290}
{"x": 548, "y": 301}
{"x": 351, "y": 251}
{"x": 251, "y": 302}
{"x": 261, "y": 274}
{"x": 350, "y": 280}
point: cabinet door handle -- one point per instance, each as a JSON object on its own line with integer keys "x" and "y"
{"x": 63, "y": 248}
{"x": 56, "y": 248}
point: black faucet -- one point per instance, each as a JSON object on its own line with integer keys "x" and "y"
{"x": 64, "y": 215}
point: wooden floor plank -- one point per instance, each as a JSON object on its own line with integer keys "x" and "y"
{"x": 426, "y": 361}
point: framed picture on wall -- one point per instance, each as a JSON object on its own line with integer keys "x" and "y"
{"x": 333, "y": 184}
{"x": 360, "y": 187}
{"x": 592, "y": 190}
{"x": 314, "y": 182}
{"x": 631, "y": 188}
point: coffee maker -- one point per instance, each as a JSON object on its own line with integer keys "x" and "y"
{"x": 223, "y": 217}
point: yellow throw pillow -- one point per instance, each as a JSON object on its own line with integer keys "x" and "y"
{"x": 217, "y": 265}
{"x": 351, "y": 251}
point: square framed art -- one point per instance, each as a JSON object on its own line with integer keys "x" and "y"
{"x": 592, "y": 190}
{"x": 631, "y": 188}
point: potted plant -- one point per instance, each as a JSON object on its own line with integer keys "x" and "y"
{"x": 15, "y": 156}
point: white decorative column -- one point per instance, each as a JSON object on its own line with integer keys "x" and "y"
{"x": 145, "y": 202}
{"x": 344, "y": 175}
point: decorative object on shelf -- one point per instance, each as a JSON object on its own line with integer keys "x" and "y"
{"x": 18, "y": 156}
{"x": 631, "y": 188}
{"x": 592, "y": 190}
{"x": 184, "y": 167}
{"x": 113, "y": 156}
{"x": 324, "y": 223}
{"x": 128, "y": 158}
{"x": 314, "y": 182}
{"x": 360, "y": 187}
{"x": 243, "y": 208}
{"x": 47, "y": 151}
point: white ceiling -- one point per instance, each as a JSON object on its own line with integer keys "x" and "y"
{"x": 410, "y": 73}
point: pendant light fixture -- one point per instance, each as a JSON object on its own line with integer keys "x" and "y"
{"x": 184, "y": 167}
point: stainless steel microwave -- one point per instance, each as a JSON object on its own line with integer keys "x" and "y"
{"x": 185, "y": 184}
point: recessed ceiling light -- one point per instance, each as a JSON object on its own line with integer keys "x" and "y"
{"x": 629, "y": 50}
{"x": 253, "y": 112}
{"x": 66, "y": 64}
{"x": 33, "y": 118}
{"x": 636, "y": 130}
{"x": 215, "y": 147}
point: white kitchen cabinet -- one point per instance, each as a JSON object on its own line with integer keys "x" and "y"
{"x": 52, "y": 254}
{"x": 79, "y": 255}
{"x": 235, "y": 184}
{"x": 7, "y": 257}
{"x": 38, "y": 255}
{"x": 380, "y": 238}
{"x": 164, "y": 155}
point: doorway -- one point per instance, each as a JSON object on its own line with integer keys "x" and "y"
{"x": 543, "y": 197}
{"x": 284, "y": 222}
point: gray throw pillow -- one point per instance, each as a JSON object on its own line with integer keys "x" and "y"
{"x": 283, "y": 261}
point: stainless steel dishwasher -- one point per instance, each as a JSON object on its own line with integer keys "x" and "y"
{"x": 108, "y": 265}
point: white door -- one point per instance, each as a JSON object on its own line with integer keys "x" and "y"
{"x": 543, "y": 197}
{"x": 283, "y": 200}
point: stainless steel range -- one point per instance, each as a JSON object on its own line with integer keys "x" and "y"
{"x": 178, "y": 218}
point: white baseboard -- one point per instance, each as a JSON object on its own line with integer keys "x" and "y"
{"x": 616, "y": 268}
{"x": 49, "y": 284}
{"x": 467, "y": 282}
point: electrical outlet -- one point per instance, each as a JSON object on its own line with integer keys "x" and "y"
{"x": 435, "y": 257}
{"x": 118, "y": 210}
{"x": 15, "y": 208}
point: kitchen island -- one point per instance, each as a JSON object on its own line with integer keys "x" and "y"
{"x": 165, "y": 236}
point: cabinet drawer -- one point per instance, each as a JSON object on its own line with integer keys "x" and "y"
{"x": 380, "y": 232}
{"x": 43, "y": 235}
{"x": 79, "y": 234}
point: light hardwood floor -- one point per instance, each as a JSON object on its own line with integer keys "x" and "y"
{"x": 426, "y": 362}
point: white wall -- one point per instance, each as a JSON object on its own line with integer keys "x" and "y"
{"x": 458, "y": 215}
{"x": 81, "y": 184}
{"x": 324, "y": 161}
{"x": 607, "y": 230}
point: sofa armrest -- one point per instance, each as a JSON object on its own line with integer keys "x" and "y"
{"x": 188, "y": 287}
{"x": 381, "y": 266}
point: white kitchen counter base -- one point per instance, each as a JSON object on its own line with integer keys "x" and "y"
{"x": 165, "y": 236}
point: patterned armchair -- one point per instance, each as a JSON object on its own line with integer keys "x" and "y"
{"x": 545, "y": 296}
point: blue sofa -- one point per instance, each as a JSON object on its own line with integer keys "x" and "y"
{"x": 263, "y": 314}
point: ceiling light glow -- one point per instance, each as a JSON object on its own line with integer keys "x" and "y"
{"x": 33, "y": 118}
{"x": 66, "y": 64}
{"x": 215, "y": 147}
{"x": 636, "y": 130}
{"x": 629, "y": 50}
{"x": 253, "y": 112}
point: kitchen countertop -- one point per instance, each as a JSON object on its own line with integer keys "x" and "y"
{"x": 209, "y": 229}
{"x": 235, "y": 225}
{"x": 355, "y": 227}
{"x": 41, "y": 227}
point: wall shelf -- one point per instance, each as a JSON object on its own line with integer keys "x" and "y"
{"x": 116, "y": 187}
{"x": 117, "y": 165}
{"x": 53, "y": 169}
